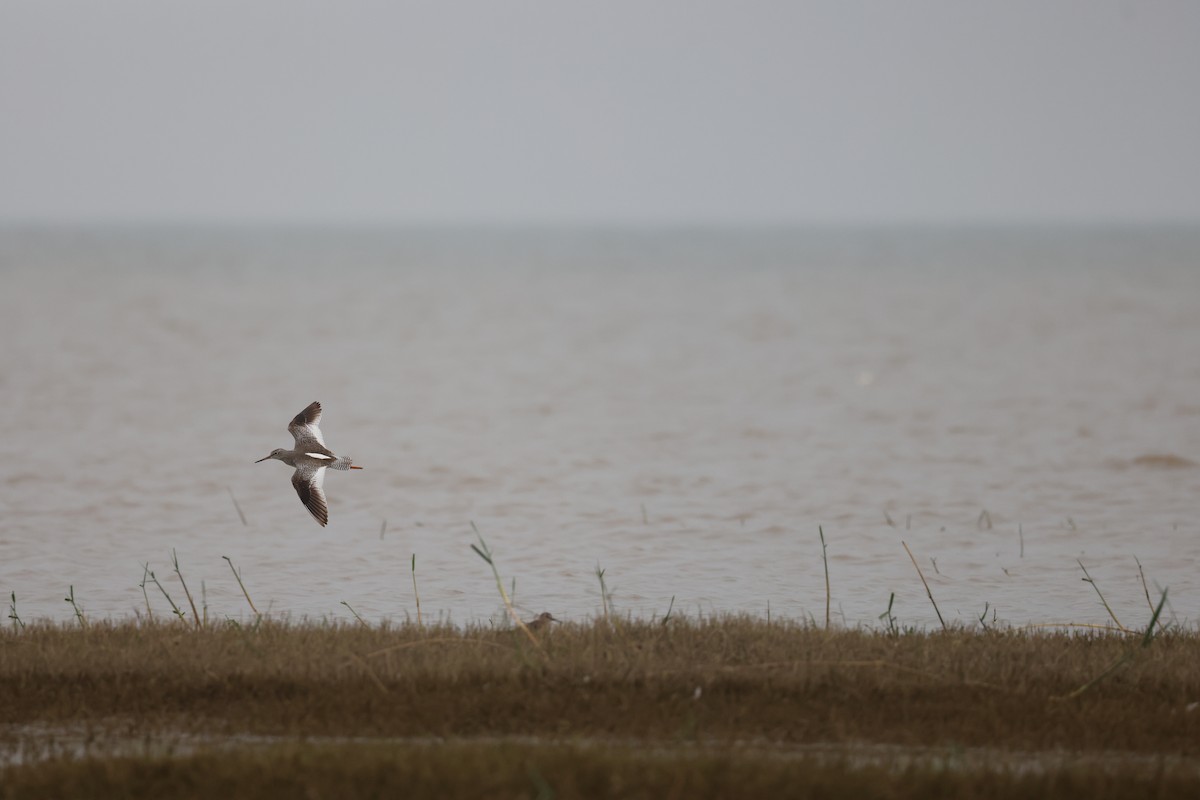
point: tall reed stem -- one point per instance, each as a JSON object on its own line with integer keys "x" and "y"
{"x": 1088, "y": 579}
{"x": 927, "y": 590}
{"x": 146, "y": 597}
{"x": 483, "y": 552}
{"x": 174, "y": 608}
{"x": 191, "y": 602}
{"x": 603, "y": 592}
{"x": 245, "y": 594}
{"x": 70, "y": 598}
{"x": 361, "y": 621}
{"x": 237, "y": 507}
{"x": 416, "y": 594}
{"x": 825, "y": 558}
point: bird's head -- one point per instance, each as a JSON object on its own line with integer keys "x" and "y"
{"x": 276, "y": 453}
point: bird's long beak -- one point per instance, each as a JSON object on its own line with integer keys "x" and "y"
{"x": 264, "y": 458}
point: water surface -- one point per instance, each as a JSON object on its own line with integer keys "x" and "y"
{"x": 681, "y": 408}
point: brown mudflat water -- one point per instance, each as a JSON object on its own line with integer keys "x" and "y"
{"x": 682, "y": 408}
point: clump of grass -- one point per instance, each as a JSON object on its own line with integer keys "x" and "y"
{"x": 1128, "y": 655}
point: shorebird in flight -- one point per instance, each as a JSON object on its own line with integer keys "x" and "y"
{"x": 310, "y": 457}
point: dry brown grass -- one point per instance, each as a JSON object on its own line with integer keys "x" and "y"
{"x": 716, "y": 680}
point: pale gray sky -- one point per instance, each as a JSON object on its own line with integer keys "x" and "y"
{"x": 615, "y": 111}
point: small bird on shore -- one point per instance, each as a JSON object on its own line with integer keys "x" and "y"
{"x": 542, "y": 620}
{"x": 310, "y": 457}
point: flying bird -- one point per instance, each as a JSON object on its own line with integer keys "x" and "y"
{"x": 310, "y": 457}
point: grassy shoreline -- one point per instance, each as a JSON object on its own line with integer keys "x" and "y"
{"x": 601, "y": 692}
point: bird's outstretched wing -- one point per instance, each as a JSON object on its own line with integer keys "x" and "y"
{"x": 309, "y": 485}
{"x": 304, "y": 430}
